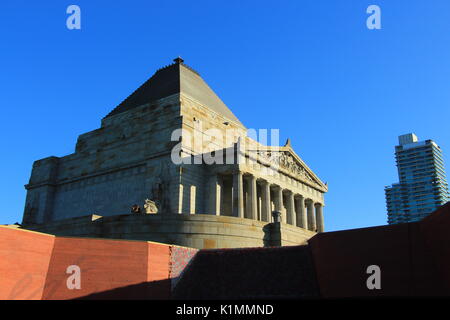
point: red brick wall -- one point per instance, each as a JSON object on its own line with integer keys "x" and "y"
{"x": 158, "y": 271}
{"x": 105, "y": 265}
{"x": 158, "y": 261}
{"x": 24, "y": 260}
{"x": 34, "y": 265}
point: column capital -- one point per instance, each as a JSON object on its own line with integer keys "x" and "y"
{"x": 249, "y": 175}
{"x": 318, "y": 204}
{"x": 237, "y": 171}
{"x": 276, "y": 186}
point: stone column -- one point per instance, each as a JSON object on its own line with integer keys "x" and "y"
{"x": 319, "y": 217}
{"x": 238, "y": 196}
{"x": 193, "y": 199}
{"x": 214, "y": 195}
{"x": 266, "y": 210}
{"x": 279, "y": 203}
{"x": 291, "y": 218}
{"x": 301, "y": 213}
{"x": 259, "y": 200}
{"x": 311, "y": 216}
{"x": 180, "y": 199}
{"x": 247, "y": 199}
{"x": 253, "y": 198}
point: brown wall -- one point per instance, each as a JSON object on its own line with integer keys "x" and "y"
{"x": 407, "y": 266}
{"x": 435, "y": 231}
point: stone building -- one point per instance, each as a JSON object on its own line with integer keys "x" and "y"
{"x": 174, "y": 142}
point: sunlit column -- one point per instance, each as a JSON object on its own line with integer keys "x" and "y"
{"x": 238, "y": 197}
{"x": 266, "y": 208}
{"x": 253, "y": 198}
{"x": 311, "y": 215}
{"x": 215, "y": 193}
{"x": 291, "y": 218}
{"x": 301, "y": 212}
{"x": 319, "y": 217}
{"x": 279, "y": 203}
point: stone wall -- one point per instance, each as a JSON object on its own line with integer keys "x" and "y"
{"x": 113, "y": 167}
{"x": 196, "y": 231}
{"x": 94, "y": 194}
{"x": 193, "y": 189}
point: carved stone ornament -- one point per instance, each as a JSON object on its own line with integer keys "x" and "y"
{"x": 287, "y": 162}
{"x": 150, "y": 207}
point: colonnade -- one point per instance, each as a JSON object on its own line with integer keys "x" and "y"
{"x": 245, "y": 196}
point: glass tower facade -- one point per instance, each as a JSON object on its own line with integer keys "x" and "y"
{"x": 422, "y": 186}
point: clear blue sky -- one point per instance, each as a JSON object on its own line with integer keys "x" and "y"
{"x": 341, "y": 92}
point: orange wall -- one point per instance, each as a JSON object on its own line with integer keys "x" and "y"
{"x": 24, "y": 260}
{"x": 34, "y": 265}
{"x": 158, "y": 261}
{"x": 158, "y": 271}
{"x": 105, "y": 265}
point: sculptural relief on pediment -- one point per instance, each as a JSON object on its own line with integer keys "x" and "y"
{"x": 287, "y": 162}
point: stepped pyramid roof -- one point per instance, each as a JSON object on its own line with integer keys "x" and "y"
{"x": 172, "y": 79}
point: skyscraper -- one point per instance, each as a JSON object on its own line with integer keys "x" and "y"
{"x": 422, "y": 183}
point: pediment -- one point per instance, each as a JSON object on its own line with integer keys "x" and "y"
{"x": 285, "y": 159}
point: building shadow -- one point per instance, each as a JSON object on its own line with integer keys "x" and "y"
{"x": 153, "y": 290}
{"x": 249, "y": 273}
{"x": 272, "y": 235}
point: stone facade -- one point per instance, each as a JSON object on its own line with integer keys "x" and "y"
{"x": 158, "y": 145}
{"x": 201, "y": 231}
